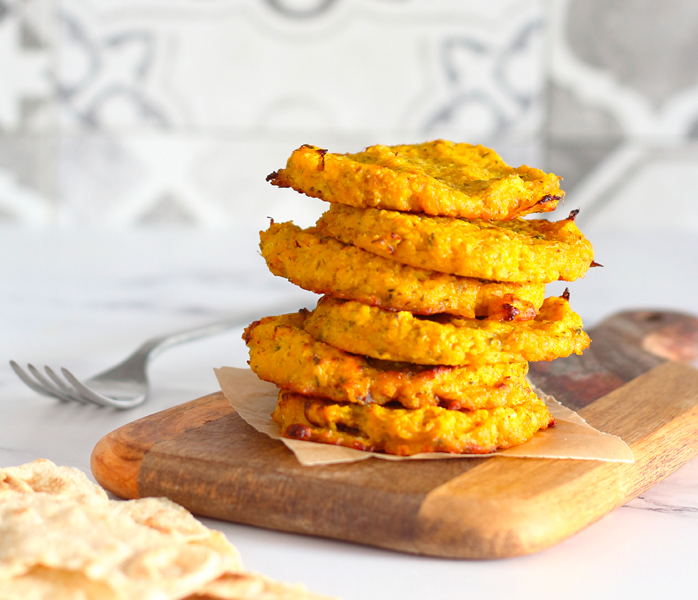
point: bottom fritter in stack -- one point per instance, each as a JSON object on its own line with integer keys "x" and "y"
{"x": 431, "y": 309}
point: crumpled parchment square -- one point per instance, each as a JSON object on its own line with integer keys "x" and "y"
{"x": 572, "y": 437}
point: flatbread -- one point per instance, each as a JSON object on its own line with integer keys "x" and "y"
{"x": 62, "y": 538}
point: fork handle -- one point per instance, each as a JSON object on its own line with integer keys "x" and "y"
{"x": 157, "y": 344}
{"x": 154, "y": 346}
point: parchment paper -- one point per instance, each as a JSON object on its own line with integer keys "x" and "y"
{"x": 255, "y": 400}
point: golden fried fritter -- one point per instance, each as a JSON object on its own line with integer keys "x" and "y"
{"x": 447, "y": 340}
{"x": 516, "y": 251}
{"x": 406, "y": 432}
{"x": 436, "y": 178}
{"x": 283, "y": 353}
{"x": 322, "y": 264}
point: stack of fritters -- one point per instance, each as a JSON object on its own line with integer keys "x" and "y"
{"x": 433, "y": 299}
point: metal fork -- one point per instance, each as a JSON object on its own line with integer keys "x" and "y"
{"x": 125, "y": 385}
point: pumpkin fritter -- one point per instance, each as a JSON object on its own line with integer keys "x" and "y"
{"x": 447, "y": 340}
{"x": 436, "y": 178}
{"x": 281, "y": 352}
{"x": 406, "y": 432}
{"x": 317, "y": 262}
{"x": 533, "y": 250}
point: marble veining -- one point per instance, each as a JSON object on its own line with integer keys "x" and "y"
{"x": 85, "y": 299}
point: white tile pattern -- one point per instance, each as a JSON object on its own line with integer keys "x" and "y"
{"x": 110, "y": 73}
{"x": 24, "y": 73}
{"x": 638, "y": 114}
{"x": 173, "y": 111}
{"x": 176, "y": 111}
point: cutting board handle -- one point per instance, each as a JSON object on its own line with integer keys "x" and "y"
{"x": 671, "y": 335}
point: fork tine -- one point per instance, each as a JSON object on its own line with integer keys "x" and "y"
{"x": 32, "y": 383}
{"x": 86, "y": 392}
{"x": 72, "y": 393}
{"x": 48, "y": 386}
{"x": 121, "y": 404}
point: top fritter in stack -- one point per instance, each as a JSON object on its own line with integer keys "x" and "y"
{"x": 434, "y": 299}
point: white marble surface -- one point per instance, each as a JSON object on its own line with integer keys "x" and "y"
{"x": 84, "y": 299}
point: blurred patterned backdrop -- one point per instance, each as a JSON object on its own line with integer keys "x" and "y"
{"x": 172, "y": 112}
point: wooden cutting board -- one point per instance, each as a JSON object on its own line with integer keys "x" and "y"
{"x": 203, "y": 456}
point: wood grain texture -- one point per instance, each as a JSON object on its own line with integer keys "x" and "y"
{"x": 117, "y": 457}
{"x": 202, "y": 455}
{"x": 539, "y": 502}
